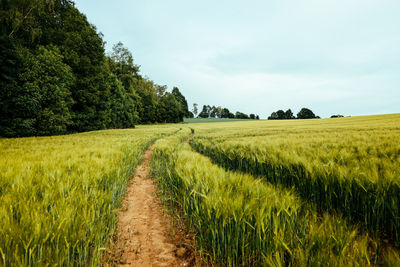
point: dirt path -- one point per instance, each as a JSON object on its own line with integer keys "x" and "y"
{"x": 145, "y": 231}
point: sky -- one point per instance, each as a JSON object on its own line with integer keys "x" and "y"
{"x": 258, "y": 56}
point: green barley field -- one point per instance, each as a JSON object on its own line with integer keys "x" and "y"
{"x": 59, "y": 195}
{"x": 321, "y": 192}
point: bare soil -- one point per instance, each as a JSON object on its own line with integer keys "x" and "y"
{"x": 145, "y": 232}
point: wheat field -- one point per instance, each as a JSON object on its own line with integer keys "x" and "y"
{"x": 259, "y": 193}
{"x": 59, "y": 195}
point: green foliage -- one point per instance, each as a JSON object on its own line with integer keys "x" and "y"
{"x": 19, "y": 17}
{"x": 306, "y": 113}
{"x": 282, "y": 115}
{"x": 52, "y": 79}
{"x": 170, "y": 109}
{"x": 289, "y": 114}
{"x": 210, "y": 120}
{"x": 226, "y": 113}
{"x": 182, "y": 100}
{"x": 56, "y": 77}
{"x": 19, "y": 102}
{"x": 337, "y": 116}
{"x": 148, "y": 100}
{"x": 205, "y": 112}
{"x": 219, "y": 112}
{"x": 240, "y": 115}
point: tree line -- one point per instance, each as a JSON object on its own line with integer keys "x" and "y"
{"x": 219, "y": 112}
{"x": 304, "y": 113}
{"x": 56, "y": 78}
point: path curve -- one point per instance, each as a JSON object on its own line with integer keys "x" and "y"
{"x": 145, "y": 238}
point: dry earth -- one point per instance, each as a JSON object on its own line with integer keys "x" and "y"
{"x": 145, "y": 237}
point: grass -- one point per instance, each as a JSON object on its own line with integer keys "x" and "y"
{"x": 239, "y": 220}
{"x": 349, "y": 165}
{"x": 59, "y": 195}
{"x": 306, "y": 192}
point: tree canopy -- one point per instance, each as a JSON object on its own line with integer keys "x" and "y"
{"x": 304, "y": 113}
{"x": 219, "y": 112}
{"x": 56, "y": 78}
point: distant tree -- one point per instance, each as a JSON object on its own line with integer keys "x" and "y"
{"x": 240, "y": 115}
{"x": 274, "y": 116}
{"x": 225, "y": 113}
{"x": 231, "y": 115}
{"x": 124, "y": 96}
{"x": 257, "y": 117}
{"x": 289, "y": 114}
{"x": 178, "y": 95}
{"x": 195, "y": 110}
{"x": 306, "y": 113}
{"x": 191, "y": 115}
{"x": 252, "y": 116}
{"x": 337, "y": 116}
{"x": 219, "y": 112}
{"x": 147, "y": 106}
{"x": 205, "y": 113}
{"x": 213, "y": 112}
{"x": 170, "y": 109}
{"x": 281, "y": 114}
{"x": 160, "y": 90}
{"x": 123, "y": 65}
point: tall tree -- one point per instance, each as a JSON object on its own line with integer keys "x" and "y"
{"x": 147, "y": 107}
{"x": 19, "y": 18}
{"x": 19, "y": 102}
{"x": 182, "y": 100}
{"x": 52, "y": 79}
{"x": 56, "y": 78}
{"x": 305, "y": 113}
{"x": 213, "y": 112}
{"x": 281, "y": 114}
{"x": 121, "y": 65}
{"x": 170, "y": 109}
{"x": 274, "y": 116}
{"x": 225, "y": 113}
{"x": 82, "y": 48}
{"x": 289, "y": 114}
{"x": 240, "y": 115}
{"x": 205, "y": 112}
{"x": 195, "y": 110}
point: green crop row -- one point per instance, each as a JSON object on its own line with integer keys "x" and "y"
{"x": 352, "y": 168}
{"x": 239, "y": 220}
{"x": 59, "y": 195}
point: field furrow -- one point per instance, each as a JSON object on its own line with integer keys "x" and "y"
{"x": 240, "y": 220}
{"x": 352, "y": 170}
{"x": 59, "y": 195}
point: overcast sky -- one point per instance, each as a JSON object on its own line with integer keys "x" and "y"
{"x": 258, "y": 56}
